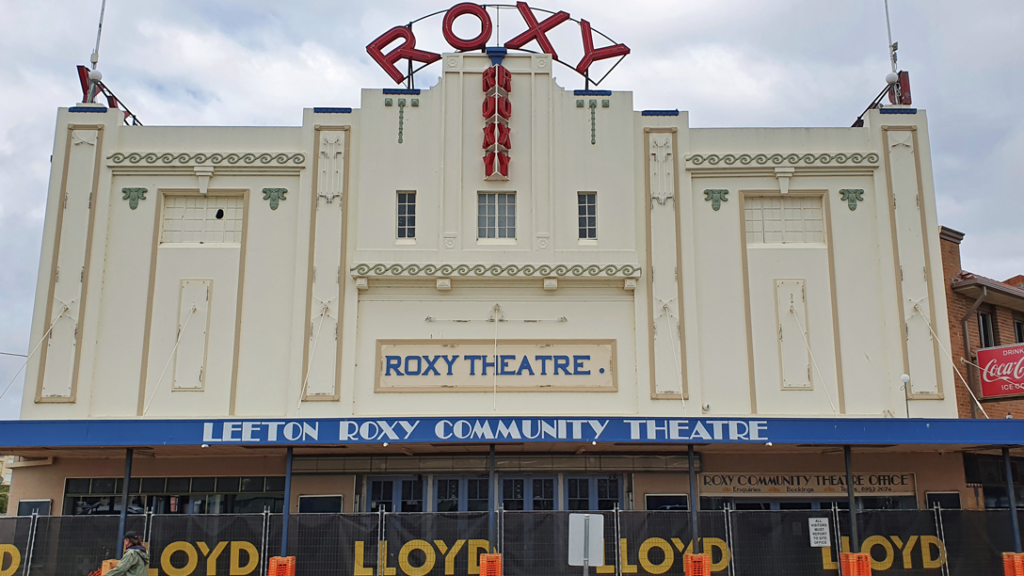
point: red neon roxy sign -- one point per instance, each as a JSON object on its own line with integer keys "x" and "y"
{"x": 536, "y": 30}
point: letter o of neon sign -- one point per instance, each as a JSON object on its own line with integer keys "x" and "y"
{"x": 467, "y": 8}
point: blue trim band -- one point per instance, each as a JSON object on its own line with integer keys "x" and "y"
{"x": 660, "y": 113}
{"x": 591, "y": 92}
{"x": 87, "y": 109}
{"x": 403, "y": 91}
{"x": 751, "y": 430}
{"x": 897, "y": 110}
{"x": 332, "y": 110}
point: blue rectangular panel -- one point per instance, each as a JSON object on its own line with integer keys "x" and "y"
{"x": 486, "y": 430}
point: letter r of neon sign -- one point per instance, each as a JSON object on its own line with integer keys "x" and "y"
{"x": 406, "y": 50}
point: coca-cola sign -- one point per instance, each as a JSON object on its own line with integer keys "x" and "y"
{"x": 1002, "y": 370}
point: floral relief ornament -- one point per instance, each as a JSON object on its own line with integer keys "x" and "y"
{"x": 716, "y": 197}
{"x": 275, "y": 195}
{"x": 852, "y": 196}
{"x": 133, "y": 195}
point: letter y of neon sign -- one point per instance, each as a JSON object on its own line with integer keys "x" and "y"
{"x": 590, "y": 55}
{"x": 537, "y": 31}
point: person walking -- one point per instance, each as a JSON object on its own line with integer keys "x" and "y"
{"x": 135, "y": 561}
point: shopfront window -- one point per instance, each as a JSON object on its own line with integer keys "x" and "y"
{"x": 477, "y": 495}
{"x": 666, "y": 502}
{"x": 177, "y": 495}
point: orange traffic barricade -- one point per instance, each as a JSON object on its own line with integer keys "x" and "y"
{"x": 282, "y": 566}
{"x": 855, "y": 564}
{"x": 697, "y": 564}
{"x": 490, "y": 565}
{"x": 1013, "y": 564}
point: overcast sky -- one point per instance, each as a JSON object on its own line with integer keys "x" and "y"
{"x": 728, "y": 62}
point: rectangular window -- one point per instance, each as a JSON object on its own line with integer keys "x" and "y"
{"x": 587, "y": 215}
{"x": 784, "y": 220}
{"x": 477, "y": 495}
{"x": 944, "y": 500}
{"x": 666, "y": 501}
{"x": 201, "y": 219}
{"x": 1018, "y": 331}
{"x": 988, "y": 339}
{"x": 320, "y": 504}
{"x": 382, "y": 494}
{"x": 407, "y": 215}
{"x": 496, "y": 215}
{"x": 578, "y": 494}
{"x": 544, "y": 494}
{"x": 448, "y": 495}
{"x": 607, "y": 493}
{"x": 513, "y": 494}
{"x": 412, "y": 496}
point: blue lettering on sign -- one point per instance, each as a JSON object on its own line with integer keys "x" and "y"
{"x": 431, "y": 365}
{"x": 577, "y": 365}
{"x": 543, "y": 364}
{"x": 525, "y": 365}
{"x": 394, "y": 362}
{"x": 503, "y": 365}
{"x": 450, "y": 362}
{"x": 562, "y": 363}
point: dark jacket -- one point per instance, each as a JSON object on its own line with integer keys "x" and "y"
{"x": 135, "y": 562}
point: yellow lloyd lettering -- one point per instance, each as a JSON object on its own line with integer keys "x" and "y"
{"x": 9, "y": 551}
{"x": 449, "y": 555}
{"x": 908, "y": 563}
{"x": 926, "y": 552}
{"x": 236, "y": 568}
{"x": 474, "y": 557}
{"x": 709, "y": 545}
{"x": 192, "y": 559}
{"x": 666, "y": 549}
{"x": 359, "y": 568}
{"x": 872, "y": 541}
{"x": 428, "y": 562}
{"x": 211, "y": 559}
{"x": 627, "y": 568}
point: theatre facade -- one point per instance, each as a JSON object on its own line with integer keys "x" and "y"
{"x": 493, "y": 274}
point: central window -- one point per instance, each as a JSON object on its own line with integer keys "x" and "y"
{"x": 496, "y": 215}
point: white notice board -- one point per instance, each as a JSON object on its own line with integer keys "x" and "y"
{"x": 820, "y": 535}
{"x": 595, "y": 551}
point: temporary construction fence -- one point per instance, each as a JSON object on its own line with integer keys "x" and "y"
{"x": 740, "y": 543}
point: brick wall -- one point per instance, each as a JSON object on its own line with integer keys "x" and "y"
{"x": 958, "y": 305}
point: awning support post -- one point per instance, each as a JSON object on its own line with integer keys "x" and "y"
{"x": 119, "y": 550}
{"x": 854, "y": 541}
{"x": 1013, "y": 501}
{"x": 287, "y": 502}
{"x": 691, "y": 470}
{"x": 491, "y": 501}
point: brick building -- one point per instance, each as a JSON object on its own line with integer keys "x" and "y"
{"x": 991, "y": 313}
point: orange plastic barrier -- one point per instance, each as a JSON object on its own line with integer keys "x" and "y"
{"x": 490, "y": 565}
{"x": 282, "y": 566}
{"x": 697, "y": 564}
{"x": 1013, "y": 564}
{"x": 855, "y": 564}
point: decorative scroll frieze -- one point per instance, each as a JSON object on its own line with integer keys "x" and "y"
{"x": 207, "y": 158}
{"x": 495, "y": 270}
{"x": 779, "y": 159}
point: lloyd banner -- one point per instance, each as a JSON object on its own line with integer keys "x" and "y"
{"x": 750, "y": 543}
{"x": 1002, "y": 370}
{"x": 416, "y": 365}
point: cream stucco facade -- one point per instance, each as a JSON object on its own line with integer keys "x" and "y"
{"x": 778, "y": 272}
